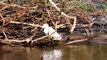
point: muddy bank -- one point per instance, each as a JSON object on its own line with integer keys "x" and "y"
{"x": 21, "y": 24}
{"x": 101, "y": 39}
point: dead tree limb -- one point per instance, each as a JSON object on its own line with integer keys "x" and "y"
{"x": 64, "y": 14}
{"x": 75, "y": 41}
{"x": 35, "y": 25}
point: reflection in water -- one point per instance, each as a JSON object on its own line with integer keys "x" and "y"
{"x": 19, "y": 53}
{"x": 71, "y": 52}
{"x": 52, "y": 55}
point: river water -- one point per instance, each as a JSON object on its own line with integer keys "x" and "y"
{"x": 63, "y": 52}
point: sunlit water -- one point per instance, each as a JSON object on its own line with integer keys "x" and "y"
{"x": 71, "y": 52}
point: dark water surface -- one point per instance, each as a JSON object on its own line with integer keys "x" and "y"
{"x": 71, "y": 52}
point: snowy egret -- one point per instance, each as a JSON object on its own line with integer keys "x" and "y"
{"x": 49, "y": 30}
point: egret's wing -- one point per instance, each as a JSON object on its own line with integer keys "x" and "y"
{"x": 51, "y": 30}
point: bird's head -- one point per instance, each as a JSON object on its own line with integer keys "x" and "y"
{"x": 45, "y": 25}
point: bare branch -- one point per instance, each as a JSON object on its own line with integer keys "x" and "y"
{"x": 15, "y": 5}
{"x": 2, "y": 18}
{"x": 34, "y": 25}
{"x": 64, "y": 14}
{"x": 40, "y": 38}
{"x": 75, "y": 41}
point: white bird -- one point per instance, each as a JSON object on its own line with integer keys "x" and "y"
{"x": 49, "y": 30}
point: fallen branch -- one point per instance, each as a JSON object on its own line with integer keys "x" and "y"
{"x": 34, "y": 25}
{"x": 8, "y": 41}
{"x": 40, "y": 38}
{"x": 64, "y": 14}
{"x": 27, "y": 40}
{"x": 11, "y": 41}
{"x": 75, "y": 41}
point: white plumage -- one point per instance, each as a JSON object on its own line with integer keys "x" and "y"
{"x": 49, "y": 30}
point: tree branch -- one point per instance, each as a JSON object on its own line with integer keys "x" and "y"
{"x": 64, "y": 14}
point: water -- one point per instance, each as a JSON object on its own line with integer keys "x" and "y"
{"x": 70, "y": 52}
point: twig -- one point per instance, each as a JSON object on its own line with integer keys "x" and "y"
{"x": 6, "y": 38}
{"x": 74, "y": 25}
{"x": 2, "y": 18}
{"x": 40, "y": 38}
{"x": 64, "y": 14}
{"x": 10, "y": 41}
{"x": 5, "y": 7}
{"x": 77, "y": 41}
{"x": 25, "y": 24}
{"x": 15, "y": 5}
{"x": 55, "y": 25}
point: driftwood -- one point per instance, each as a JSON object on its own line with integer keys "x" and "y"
{"x": 76, "y": 41}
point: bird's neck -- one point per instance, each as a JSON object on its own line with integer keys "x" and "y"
{"x": 46, "y": 27}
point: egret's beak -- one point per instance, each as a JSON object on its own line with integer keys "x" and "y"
{"x": 42, "y": 28}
